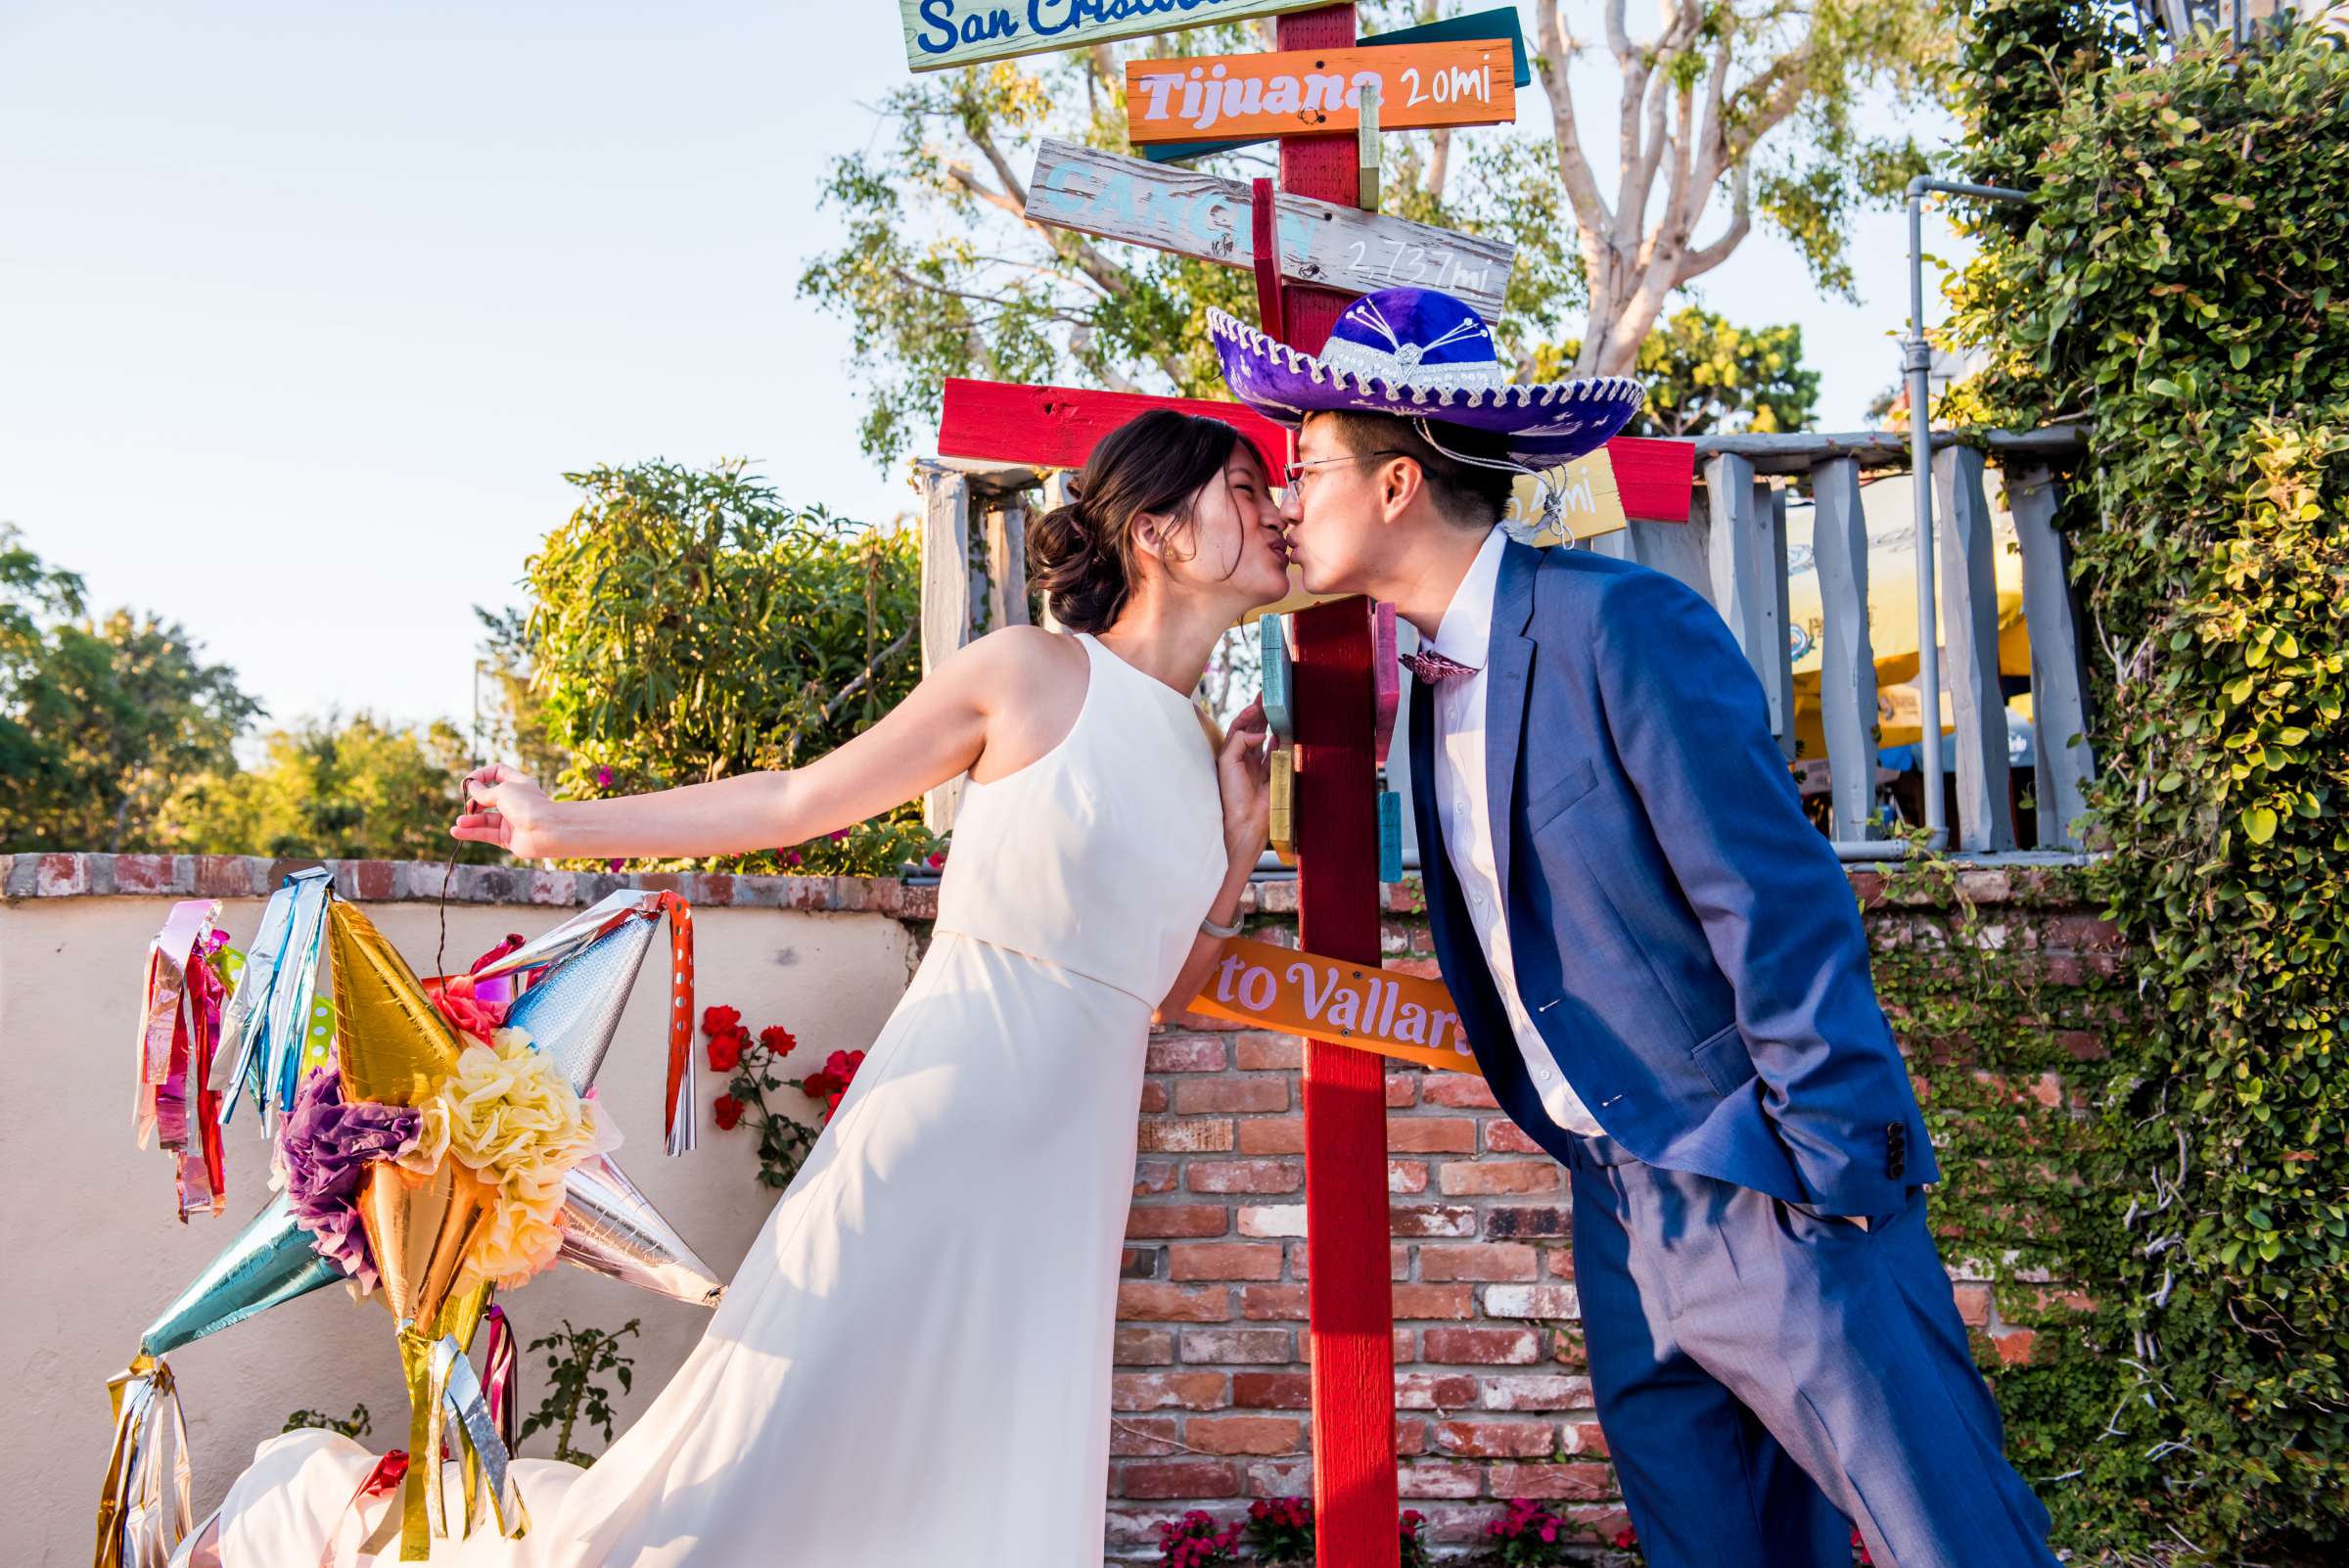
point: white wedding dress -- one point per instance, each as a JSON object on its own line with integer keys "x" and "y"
{"x": 911, "y": 1367}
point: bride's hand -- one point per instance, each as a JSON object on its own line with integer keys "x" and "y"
{"x": 505, "y": 807}
{"x": 1243, "y": 770}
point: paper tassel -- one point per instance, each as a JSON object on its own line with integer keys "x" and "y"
{"x": 388, "y": 1038}
{"x": 270, "y": 1261}
{"x": 143, "y": 1506}
{"x": 267, "y": 1021}
{"x": 179, "y": 1018}
{"x": 613, "y": 1229}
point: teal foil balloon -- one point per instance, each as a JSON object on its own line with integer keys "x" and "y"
{"x": 270, "y": 1262}
{"x": 573, "y": 1009}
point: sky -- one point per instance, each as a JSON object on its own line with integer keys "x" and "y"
{"x": 305, "y": 310}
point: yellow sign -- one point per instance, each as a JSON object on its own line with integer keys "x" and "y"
{"x": 1258, "y": 983}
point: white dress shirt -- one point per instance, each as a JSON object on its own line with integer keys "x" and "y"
{"x": 1465, "y": 635}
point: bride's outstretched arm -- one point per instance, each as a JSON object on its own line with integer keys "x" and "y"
{"x": 936, "y": 733}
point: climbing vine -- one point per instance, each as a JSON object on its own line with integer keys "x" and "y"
{"x": 2179, "y": 285}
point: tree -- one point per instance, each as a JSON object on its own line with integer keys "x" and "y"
{"x": 366, "y": 790}
{"x": 939, "y": 274}
{"x": 101, "y": 721}
{"x": 1704, "y": 375}
{"x": 1695, "y": 102}
{"x": 690, "y": 625}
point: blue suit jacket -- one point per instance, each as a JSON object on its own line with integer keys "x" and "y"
{"x": 1686, "y": 941}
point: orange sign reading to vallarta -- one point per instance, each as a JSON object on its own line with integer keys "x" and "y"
{"x": 1353, "y": 1004}
{"x": 1471, "y": 82}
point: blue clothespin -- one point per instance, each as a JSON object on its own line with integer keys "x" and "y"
{"x": 1280, "y": 692}
{"x": 1390, "y": 836}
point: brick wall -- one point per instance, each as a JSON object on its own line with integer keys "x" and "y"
{"x": 1492, "y": 1393}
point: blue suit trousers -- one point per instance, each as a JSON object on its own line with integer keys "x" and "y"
{"x": 1768, "y": 1377}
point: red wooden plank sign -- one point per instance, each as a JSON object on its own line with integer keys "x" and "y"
{"x": 1057, "y": 426}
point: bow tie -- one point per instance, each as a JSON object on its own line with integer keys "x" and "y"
{"x": 1433, "y": 668}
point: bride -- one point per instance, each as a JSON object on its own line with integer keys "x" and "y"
{"x": 912, "y": 1366}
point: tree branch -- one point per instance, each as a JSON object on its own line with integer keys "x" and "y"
{"x": 1592, "y": 214}
{"x": 1696, "y": 264}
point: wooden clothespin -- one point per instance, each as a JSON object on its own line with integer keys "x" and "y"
{"x": 1283, "y": 827}
{"x": 1264, "y": 220}
{"x": 1366, "y": 142}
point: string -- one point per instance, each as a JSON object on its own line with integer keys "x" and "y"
{"x": 1554, "y": 497}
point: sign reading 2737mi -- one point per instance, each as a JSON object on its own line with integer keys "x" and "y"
{"x": 956, "y": 32}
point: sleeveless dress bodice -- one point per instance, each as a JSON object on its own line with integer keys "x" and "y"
{"x": 1103, "y": 854}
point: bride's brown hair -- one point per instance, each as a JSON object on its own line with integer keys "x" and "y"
{"x": 1083, "y": 555}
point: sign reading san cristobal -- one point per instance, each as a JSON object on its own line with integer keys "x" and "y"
{"x": 956, "y": 32}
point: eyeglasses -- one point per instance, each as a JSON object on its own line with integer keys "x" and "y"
{"x": 1295, "y": 475}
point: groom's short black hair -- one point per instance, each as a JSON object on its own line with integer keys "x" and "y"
{"x": 1469, "y": 496}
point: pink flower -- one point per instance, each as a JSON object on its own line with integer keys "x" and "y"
{"x": 615, "y": 863}
{"x": 603, "y": 778}
{"x": 840, "y": 835}
{"x": 791, "y": 857}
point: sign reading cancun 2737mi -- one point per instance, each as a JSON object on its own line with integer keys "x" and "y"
{"x": 955, "y": 32}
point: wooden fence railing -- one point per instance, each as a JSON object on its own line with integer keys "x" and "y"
{"x": 1733, "y": 550}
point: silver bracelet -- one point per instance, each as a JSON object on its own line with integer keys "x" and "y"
{"x": 1210, "y": 927}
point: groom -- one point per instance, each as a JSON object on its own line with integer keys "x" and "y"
{"x": 1662, "y": 972}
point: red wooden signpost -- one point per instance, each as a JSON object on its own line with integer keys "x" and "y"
{"x": 1350, "y": 1305}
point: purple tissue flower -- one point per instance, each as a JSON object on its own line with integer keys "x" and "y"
{"x": 603, "y": 778}
{"x": 327, "y": 1147}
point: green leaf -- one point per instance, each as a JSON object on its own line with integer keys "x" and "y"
{"x": 2259, "y": 824}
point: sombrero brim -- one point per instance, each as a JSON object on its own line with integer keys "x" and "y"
{"x": 1546, "y": 423}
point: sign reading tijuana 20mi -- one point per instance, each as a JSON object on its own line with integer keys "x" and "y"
{"x": 1419, "y": 85}
{"x": 958, "y": 32}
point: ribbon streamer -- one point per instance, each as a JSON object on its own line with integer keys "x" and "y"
{"x": 143, "y": 1506}
{"x": 267, "y": 1020}
{"x": 501, "y": 1368}
{"x": 178, "y": 1019}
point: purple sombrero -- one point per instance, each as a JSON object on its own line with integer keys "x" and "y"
{"x": 1420, "y": 355}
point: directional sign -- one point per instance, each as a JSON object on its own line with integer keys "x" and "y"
{"x": 1499, "y": 26}
{"x": 1312, "y": 90}
{"x": 1334, "y": 247}
{"x": 956, "y": 32}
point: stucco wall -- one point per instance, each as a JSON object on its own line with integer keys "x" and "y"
{"x": 93, "y": 1251}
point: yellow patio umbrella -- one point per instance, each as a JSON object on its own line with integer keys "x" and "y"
{"x": 1891, "y": 615}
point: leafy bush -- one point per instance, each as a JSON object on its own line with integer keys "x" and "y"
{"x": 690, "y": 625}
{"x": 2181, "y": 284}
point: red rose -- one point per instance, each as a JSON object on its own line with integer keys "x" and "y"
{"x": 725, "y": 1052}
{"x": 937, "y": 860}
{"x": 820, "y": 1084}
{"x": 778, "y": 1040}
{"x": 719, "y": 1020}
{"x": 729, "y": 1111}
